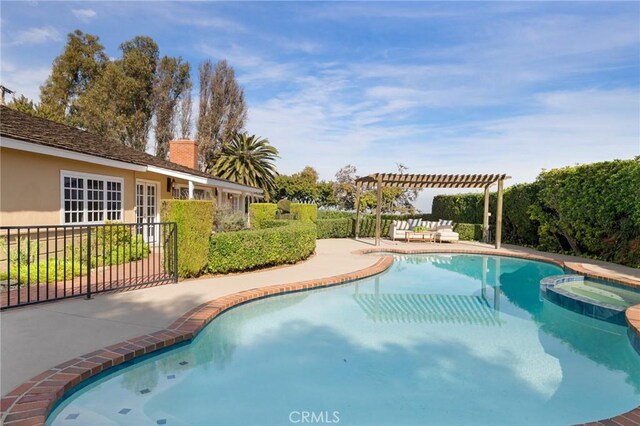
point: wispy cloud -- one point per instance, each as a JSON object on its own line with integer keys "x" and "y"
{"x": 85, "y": 15}
{"x": 36, "y": 35}
{"x": 23, "y": 80}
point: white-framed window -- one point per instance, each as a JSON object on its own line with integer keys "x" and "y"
{"x": 88, "y": 198}
{"x": 181, "y": 192}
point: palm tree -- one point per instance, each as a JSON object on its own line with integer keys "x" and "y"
{"x": 248, "y": 160}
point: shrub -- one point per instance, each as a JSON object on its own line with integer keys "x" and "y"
{"x": 591, "y": 210}
{"x": 284, "y": 206}
{"x": 335, "y": 214}
{"x": 335, "y": 228}
{"x": 109, "y": 246}
{"x": 195, "y": 221}
{"x": 259, "y": 212}
{"x": 258, "y": 248}
{"x": 227, "y": 220}
{"x": 304, "y": 212}
{"x": 468, "y": 231}
{"x": 275, "y": 223}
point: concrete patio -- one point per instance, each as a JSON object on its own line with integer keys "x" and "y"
{"x": 35, "y": 338}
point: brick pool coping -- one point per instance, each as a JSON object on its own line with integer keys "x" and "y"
{"x": 31, "y": 402}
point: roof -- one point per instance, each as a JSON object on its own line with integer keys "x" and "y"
{"x": 401, "y": 180}
{"x": 27, "y": 128}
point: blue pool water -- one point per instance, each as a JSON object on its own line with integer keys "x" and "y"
{"x": 437, "y": 339}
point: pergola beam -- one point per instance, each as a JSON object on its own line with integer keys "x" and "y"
{"x": 420, "y": 181}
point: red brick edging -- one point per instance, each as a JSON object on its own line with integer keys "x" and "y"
{"x": 30, "y": 403}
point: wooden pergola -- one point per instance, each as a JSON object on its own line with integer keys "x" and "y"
{"x": 415, "y": 181}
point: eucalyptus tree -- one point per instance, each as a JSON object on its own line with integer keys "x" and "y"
{"x": 222, "y": 110}
{"x": 74, "y": 71}
{"x": 172, "y": 79}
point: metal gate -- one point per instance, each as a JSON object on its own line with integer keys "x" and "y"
{"x": 44, "y": 263}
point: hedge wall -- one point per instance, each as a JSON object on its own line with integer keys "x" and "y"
{"x": 591, "y": 210}
{"x": 195, "y": 222}
{"x": 468, "y": 231}
{"x": 304, "y": 212}
{"x": 335, "y": 228}
{"x": 258, "y": 248}
{"x": 259, "y": 212}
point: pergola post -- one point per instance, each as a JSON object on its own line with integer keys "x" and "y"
{"x": 357, "y": 230}
{"x": 485, "y": 216}
{"x": 499, "y": 215}
{"x": 379, "y": 210}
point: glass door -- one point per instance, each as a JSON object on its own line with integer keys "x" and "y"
{"x": 147, "y": 209}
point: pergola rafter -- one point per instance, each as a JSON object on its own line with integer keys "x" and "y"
{"x": 420, "y": 181}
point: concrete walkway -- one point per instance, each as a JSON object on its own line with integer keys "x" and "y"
{"x": 35, "y": 338}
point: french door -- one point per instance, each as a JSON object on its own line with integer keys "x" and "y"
{"x": 147, "y": 209}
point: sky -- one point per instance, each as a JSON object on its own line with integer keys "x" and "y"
{"x": 439, "y": 87}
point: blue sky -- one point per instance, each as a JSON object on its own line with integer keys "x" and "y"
{"x": 455, "y": 87}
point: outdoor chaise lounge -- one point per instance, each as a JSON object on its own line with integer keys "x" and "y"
{"x": 441, "y": 230}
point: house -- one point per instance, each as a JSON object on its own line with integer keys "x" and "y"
{"x": 52, "y": 174}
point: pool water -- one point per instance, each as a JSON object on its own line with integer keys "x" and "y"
{"x": 436, "y": 339}
{"x": 603, "y": 293}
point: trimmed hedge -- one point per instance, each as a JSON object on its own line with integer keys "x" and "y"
{"x": 468, "y": 231}
{"x": 590, "y": 210}
{"x": 335, "y": 214}
{"x": 304, "y": 212}
{"x": 259, "y": 248}
{"x": 195, "y": 222}
{"x": 259, "y": 212}
{"x": 275, "y": 223}
{"x": 335, "y": 228}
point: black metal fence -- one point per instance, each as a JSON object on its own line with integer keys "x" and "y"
{"x": 43, "y": 263}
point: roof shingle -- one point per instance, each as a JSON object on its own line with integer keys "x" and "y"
{"x": 24, "y": 127}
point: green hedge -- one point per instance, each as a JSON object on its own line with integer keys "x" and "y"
{"x": 468, "y": 231}
{"x": 335, "y": 214}
{"x": 591, "y": 210}
{"x": 335, "y": 228}
{"x": 304, "y": 212}
{"x": 274, "y": 223}
{"x": 258, "y": 248}
{"x": 259, "y": 212}
{"x": 195, "y": 222}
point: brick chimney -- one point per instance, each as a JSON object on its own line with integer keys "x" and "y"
{"x": 184, "y": 152}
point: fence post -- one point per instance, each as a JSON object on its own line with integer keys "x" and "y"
{"x": 175, "y": 252}
{"x": 88, "y": 261}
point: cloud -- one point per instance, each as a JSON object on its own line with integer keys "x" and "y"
{"x": 23, "y": 80}
{"x": 35, "y": 36}
{"x": 85, "y": 15}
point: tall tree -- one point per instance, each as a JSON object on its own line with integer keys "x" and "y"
{"x": 248, "y": 160}
{"x": 81, "y": 63}
{"x": 27, "y": 106}
{"x": 223, "y": 111}
{"x": 172, "y": 78}
{"x": 203, "y": 124}
{"x": 120, "y": 103}
{"x": 345, "y": 187}
{"x": 184, "y": 119}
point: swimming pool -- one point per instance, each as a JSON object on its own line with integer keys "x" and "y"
{"x": 437, "y": 339}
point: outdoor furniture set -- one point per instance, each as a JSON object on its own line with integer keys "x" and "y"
{"x": 417, "y": 229}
